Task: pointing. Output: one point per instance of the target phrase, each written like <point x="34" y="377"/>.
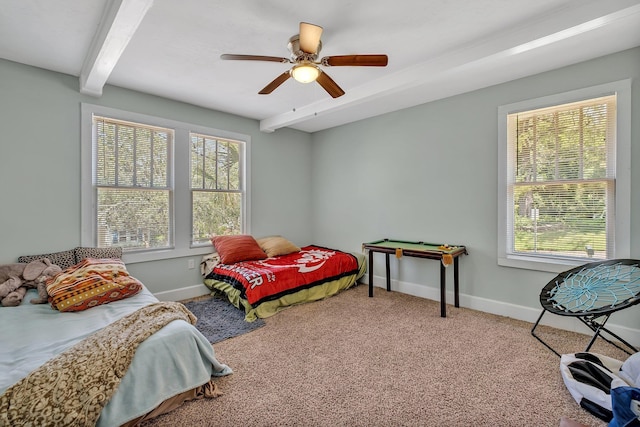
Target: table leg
<point x="388" y="273"/>
<point x="370" y="273"/>
<point x="456" y="282"/>
<point x="443" y="291"/>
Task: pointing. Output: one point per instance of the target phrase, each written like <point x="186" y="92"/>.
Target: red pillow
<point x="238" y="248"/>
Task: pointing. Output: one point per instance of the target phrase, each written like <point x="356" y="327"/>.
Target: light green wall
<point x="40" y="168"/>
<point x="430" y="173"/>
<point x="427" y="172"/>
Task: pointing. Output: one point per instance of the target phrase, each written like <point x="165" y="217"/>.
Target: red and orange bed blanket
<point x="264" y="287"/>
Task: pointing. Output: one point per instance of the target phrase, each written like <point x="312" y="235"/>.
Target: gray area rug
<point x="218" y="320"/>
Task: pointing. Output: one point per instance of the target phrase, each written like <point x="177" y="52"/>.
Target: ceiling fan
<point x="304" y="48"/>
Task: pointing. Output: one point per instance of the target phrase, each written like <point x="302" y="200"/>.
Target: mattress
<point x="312" y="274"/>
<point x="175" y="359"/>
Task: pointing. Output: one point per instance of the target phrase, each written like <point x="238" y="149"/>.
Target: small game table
<point x="446" y="254"/>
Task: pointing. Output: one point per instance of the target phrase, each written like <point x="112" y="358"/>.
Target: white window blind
<point x="160" y="187"/>
<point x="216" y="187"/>
<point x="563" y="179"/>
<point x="133" y="184"/>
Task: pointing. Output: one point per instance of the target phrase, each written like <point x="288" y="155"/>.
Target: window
<point x="216" y="187"/>
<point x="159" y="188"/>
<point x="564" y="185"/>
<point x="133" y="191"/>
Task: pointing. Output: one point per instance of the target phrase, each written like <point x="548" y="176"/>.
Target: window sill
<point x="162" y="254"/>
<point x="551" y="265"/>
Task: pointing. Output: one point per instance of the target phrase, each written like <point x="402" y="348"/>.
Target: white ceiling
<point x="436" y="48"/>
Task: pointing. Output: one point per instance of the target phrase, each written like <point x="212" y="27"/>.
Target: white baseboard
<point x="500" y="308"/>
<point x="180" y="294"/>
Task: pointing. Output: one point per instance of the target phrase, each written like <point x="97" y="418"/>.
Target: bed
<point x="278" y="274"/>
<point x="174" y="364"/>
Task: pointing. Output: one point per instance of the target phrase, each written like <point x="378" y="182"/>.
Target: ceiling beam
<point x="549" y="30"/>
<point x="119" y="23"/>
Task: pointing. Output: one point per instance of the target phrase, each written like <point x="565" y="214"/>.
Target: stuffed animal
<point x="16" y="278"/>
<point x="41" y="281"/>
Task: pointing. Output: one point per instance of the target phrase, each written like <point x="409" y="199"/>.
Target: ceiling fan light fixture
<point x="305" y="72"/>
<point x="304" y="49"/>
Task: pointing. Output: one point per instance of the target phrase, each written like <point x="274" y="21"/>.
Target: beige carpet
<point x="390" y="360"/>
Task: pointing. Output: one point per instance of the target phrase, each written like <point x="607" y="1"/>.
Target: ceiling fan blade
<point x="355" y="60"/>
<point x="275" y="83"/>
<point x="309" y="37"/>
<point x="329" y="85"/>
<point x="254" y="58"/>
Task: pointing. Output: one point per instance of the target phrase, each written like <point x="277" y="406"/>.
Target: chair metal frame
<point x="594" y="318"/>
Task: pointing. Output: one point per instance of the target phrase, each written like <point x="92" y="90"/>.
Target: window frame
<point x="193" y="190"/>
<point x="622" y="220"/>
<point x="180" y="184"/>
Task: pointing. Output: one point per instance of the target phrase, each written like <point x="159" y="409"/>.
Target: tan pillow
<point x="237" y="248"/>
<point x="277" y="245"/>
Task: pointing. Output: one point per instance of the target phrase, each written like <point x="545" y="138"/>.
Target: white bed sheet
<point x="175" y="359"/>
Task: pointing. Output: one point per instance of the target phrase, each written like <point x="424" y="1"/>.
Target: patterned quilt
<point x="272" y="278"/>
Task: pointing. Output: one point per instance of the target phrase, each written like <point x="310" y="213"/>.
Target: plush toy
<point x="49" y="271"/>
<point x="16" y="278"/>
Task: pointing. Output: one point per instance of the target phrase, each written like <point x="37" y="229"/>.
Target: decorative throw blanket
<point x="72" y="388"/>
<point x="271" y="278"/>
